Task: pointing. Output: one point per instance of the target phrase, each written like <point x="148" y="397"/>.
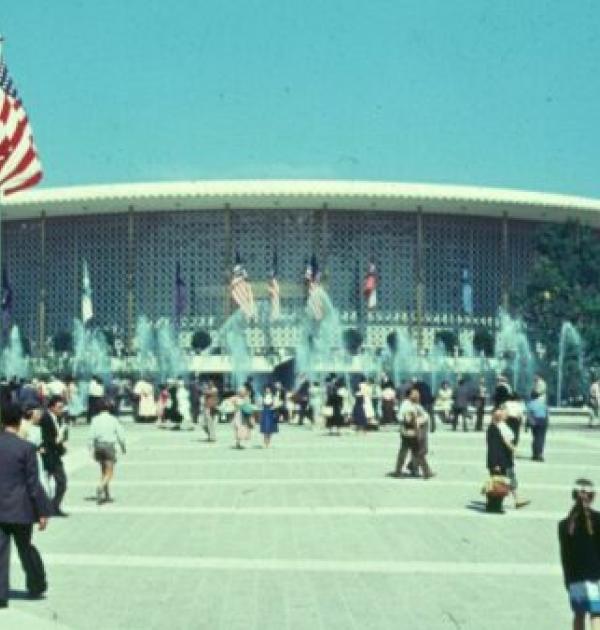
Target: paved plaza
<point x="309" y="534"/>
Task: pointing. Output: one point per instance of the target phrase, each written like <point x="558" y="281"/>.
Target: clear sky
<point x="499" y="93"/>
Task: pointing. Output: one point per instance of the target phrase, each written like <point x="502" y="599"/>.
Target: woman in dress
<point x="443" y="402"/>
<point x="210" y="412"/>
<point x="268" y="417"/>
<point x="242" y="417"/>
<point x="335" y="402"/>
<point x="579" y="538"/>
<point x="359" y="416"/>
<point x="388" y="402"/>
<point x="368" y="403"/>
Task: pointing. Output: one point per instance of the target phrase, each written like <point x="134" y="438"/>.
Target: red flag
<point x="370" y="287"/>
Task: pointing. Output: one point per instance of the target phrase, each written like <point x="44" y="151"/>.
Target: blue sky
<point x="499" y="93"/>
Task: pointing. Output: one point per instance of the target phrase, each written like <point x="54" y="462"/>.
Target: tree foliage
<point x="200" y="340"/>
<point x="564" y="285"/>
<point x="448" y="338"/>
<point x="483" y="341"/>
<point x="352" y="340"/>
<point x="63" y="341"/>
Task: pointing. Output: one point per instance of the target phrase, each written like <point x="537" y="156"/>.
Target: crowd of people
<point x="37" y="416"/>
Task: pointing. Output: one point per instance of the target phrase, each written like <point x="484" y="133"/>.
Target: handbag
<point x="496" y="486"/>
<point x="327" y="411"/>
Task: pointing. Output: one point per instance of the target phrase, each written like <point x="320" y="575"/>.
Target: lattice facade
<point x="205" y="244"/>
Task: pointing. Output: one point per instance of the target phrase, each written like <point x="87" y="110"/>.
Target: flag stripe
<point x="20" y="166"/>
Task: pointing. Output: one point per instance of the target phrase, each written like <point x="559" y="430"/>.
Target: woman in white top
<point x="443" y="402"/>
<point x="146" y="403"/>
<point x="30" y="430"/>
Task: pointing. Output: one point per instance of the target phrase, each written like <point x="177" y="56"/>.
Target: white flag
<point x="87" y="310"/>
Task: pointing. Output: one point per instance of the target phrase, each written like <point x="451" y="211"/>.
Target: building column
<point x="42" y="302"/>
<point x="505" y="266"/>
<point x="130" y="280"/>
<point x="420" y="281"/>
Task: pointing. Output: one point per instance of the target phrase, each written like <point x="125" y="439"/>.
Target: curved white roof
<point x="300" y="194"/>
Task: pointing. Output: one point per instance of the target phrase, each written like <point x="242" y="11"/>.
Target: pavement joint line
<point x="434" y="461"/>
<point x="308" y="565"/>
<point x="129" y="463"/>
<point x="319" y="481"/>
<point x="371" y="511"/>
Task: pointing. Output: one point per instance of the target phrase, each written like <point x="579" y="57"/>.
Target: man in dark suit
<point x="22" y="503"/>
<point x="54" y="437"/>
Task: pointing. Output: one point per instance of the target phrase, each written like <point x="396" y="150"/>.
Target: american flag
<point x="370" y="286"/>
<point x="273" y="289"/>
<point x="20" y="166"/>
<point x="314" y="300"/>
<point x="241" y="290"/>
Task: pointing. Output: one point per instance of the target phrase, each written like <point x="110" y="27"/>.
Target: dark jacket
<point x="52" y="452"/>
<point x="22" y="498"/>
<point x="499" y="455"/>
<point x="580" y="552"/>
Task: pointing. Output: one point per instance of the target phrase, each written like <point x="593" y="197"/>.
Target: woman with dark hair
<point x="268" y="417"/>
<point x="335" y="402"/>
<point x="579" y="537"/>
<point x="388" y="402"/>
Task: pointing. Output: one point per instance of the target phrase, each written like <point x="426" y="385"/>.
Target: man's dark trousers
<point x="539" y="439"/>
<point x="30" y="558"/>
<point x="60" y="484"/>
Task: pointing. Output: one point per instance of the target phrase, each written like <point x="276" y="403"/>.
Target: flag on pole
<point x="370" y="286"/>
<point x="314" y="300"/>
<point x="20" y="166"/>
<point x="467" y="293"/>
<point x="273" y="289"/>
<point x="241" y="290"/>
<point x="180" y="296"/>
<point x="7" y="302"/>
<point x="87" y="309"/>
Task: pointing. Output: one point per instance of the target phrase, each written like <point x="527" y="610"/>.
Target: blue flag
<point x="180" y="296"/>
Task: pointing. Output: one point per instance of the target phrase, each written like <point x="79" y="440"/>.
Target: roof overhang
<point x="300" y="194"/>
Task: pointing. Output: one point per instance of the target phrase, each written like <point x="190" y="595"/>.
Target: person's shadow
<point x="22" y="596"/>
<point x="480" y="506"/>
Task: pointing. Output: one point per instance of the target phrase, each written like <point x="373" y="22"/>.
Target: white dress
<point x="147" y="406"/>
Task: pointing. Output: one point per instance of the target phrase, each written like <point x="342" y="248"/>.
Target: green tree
<point x="200" y="340"/>
<point x="447" y="337"/>
<point x="564" y="285"/>
<point x="483" y="341"/>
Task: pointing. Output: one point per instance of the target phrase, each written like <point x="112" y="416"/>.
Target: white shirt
<point x="96" y="389"/>
<point x="506" y="432"/>
<point x="106" y="428"/>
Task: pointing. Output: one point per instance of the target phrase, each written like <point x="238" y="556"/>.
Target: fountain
<point x="145" y="358"/>
<point x="171" y="360"/>
<point x="91" y="355"/>
<point x="14" y="361"/>
<point x="512" y="348"/>
<point x="437" y="365"/>
<point x="569" y="338"/>
<point x="233" y="337"/>
<point x="404" y="357"/>
<point x="90" y="358"/>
